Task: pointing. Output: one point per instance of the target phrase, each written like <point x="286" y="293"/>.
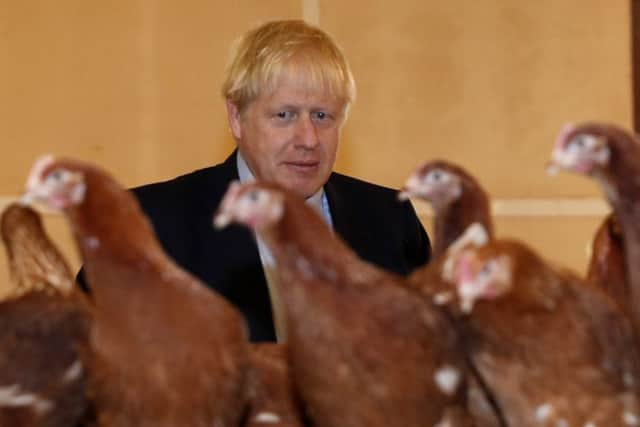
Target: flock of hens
<point x="487" y="334"/>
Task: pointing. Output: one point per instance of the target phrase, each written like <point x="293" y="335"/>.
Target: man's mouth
<point x="302" y="166"/>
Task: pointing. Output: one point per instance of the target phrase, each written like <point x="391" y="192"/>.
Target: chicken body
<point x="607" y="267"/>
<point x="165" y="350"/>
<point x="44" y="329"/>
<point x="553" y="350"/>
<point x="273" y="400"/>
<point x="42" y="374"/>
<point x="364" y="348"/>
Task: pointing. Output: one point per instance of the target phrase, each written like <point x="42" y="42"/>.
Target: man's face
<point x="289" y="136"/>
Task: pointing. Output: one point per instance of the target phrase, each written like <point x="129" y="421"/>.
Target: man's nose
<point x="307" y="133"/>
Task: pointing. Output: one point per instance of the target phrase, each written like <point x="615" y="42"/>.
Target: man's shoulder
<point x="208" y="183"/>
<point x="180" y="209"/>
<point x="186" y="183"/>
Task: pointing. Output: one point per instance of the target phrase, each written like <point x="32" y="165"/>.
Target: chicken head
<point x="256" y="206"/>
<point x="54" y="184"/>
<point x="433" y="183"/>
<point x="481" y="274"/>
<point x="583" y="149"/>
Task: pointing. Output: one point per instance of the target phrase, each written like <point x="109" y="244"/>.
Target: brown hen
<point x="167" y="351"/>
<point x="458" y="200"/>
<point x="365" y="349"/>
<point x="611" y="156"/>
<point x="44" y="328"/>
<point x="553" y="350"/>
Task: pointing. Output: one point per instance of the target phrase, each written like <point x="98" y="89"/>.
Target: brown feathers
<point x="552" y="349"/>
<point x="365" y="349"/>
<point x="34" y="262"/>
<point x="166" y="350"/>
<point x="607" y="267"/>
<point x="272" y="397"/>
<point x="44" y="330"/>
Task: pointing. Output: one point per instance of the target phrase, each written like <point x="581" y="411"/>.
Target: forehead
<point x="300" y="88"/>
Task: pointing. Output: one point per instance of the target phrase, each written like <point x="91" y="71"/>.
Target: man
<point x="288" y="90"/>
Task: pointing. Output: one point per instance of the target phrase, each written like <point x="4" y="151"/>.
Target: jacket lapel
<point x="347" y="227"/>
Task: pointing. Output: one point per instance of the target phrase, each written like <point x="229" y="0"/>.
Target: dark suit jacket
<point x="368" y="217"/>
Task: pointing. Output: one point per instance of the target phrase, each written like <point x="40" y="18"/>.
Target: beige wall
<point x="134" y="86"/>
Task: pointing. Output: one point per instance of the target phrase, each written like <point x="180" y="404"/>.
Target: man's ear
<point x="233" y="115"/>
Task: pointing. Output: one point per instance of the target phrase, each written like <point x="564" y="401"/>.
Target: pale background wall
<point x="134" y="86"/>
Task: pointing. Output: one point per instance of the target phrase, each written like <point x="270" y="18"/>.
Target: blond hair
<point x="263" y="54"/>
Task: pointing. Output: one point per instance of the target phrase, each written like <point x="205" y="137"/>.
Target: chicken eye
<point x="580" y="142"/>
<point x="56" y="176"/>
<point x="486" y="270"/>
<point x="435" y="176"/>
<point x="253" y="195"/>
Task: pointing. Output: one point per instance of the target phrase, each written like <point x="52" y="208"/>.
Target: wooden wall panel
<point x="133" y="85"/>
<point x="488" y="84"/>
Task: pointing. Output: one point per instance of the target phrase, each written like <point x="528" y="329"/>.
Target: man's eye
<point x="323" y="118"/>
<point x="321" y="115"/>
<point x="284" y="115"/>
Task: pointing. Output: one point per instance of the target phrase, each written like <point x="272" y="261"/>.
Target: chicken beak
<point x="554" y="165"/>
<point x="552" y="168"/>
<point x="404" y="194"/>
<point x="410" y="188"/>
<point x="221" y="220"/>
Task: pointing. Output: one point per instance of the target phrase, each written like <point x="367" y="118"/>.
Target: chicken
<point x="166" y="350"/>
<point x="434" y="281"/>
<point x="273" y="401"/>
<point x="458" y="200"/>
<point x="611" y="156"/>
<point x="44" y="328"/>
<point x="553" y="350"/>
<point x="365" y="349"/>
<point x="607" y="267"/>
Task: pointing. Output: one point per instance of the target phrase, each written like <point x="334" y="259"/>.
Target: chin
<point x="303" y="187"/>
<point x="304" y="190"/>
